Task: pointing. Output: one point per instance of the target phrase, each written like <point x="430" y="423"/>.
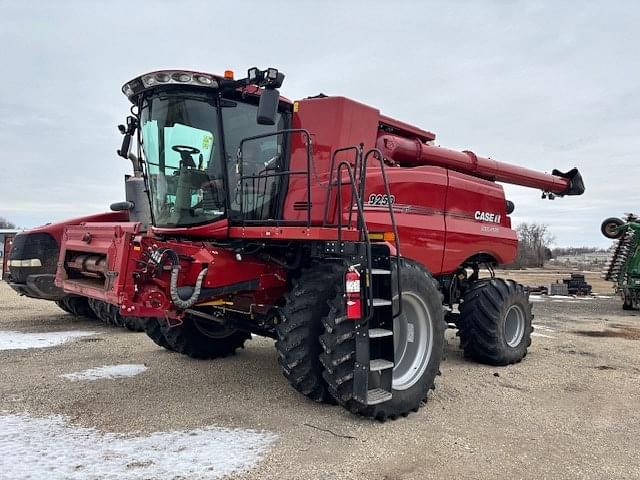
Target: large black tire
<point x="301" y="326"/>
<point x="135" y="324"/>
<point x="101" y="311"/>
<point x="627" y="301"/>
<point x="77" y="306"/>
<point x="420" y="293"/>
<point x="203" y="339"/>
<point x="114" y="313"/>
<point x="62" y="303"/>
<point x="495" y="322"/>
<point x="609" y="228"/>
<point x="153" y="329"/>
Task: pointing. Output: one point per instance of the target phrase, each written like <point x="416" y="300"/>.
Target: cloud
<point x="545" y="85"/>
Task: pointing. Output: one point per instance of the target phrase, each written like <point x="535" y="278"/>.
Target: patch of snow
<point x="51" y="448"/>
<point x="107" y="371"/>
<point x="536" y="334"/>
<point x="543" y="327"/>
<point x="536" y="298"/>
<point x="562" y="296"/>
<point x="11" y="340"/>
<point x="604" y="296"/>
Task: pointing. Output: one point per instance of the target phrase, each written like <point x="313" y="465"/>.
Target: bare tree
<point x="533" y="248"/>
<point x="4" y="223"/>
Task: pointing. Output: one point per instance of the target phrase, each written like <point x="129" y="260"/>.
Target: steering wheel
<point x="185" y="152"/>
<point x="181" y="149"/>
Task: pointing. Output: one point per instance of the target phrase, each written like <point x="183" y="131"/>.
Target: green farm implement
<point x="624" y="264"/>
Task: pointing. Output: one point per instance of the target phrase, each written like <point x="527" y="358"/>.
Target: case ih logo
<point x="487" y="216"/>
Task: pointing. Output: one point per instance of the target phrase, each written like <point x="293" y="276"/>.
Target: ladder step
<point x="381" y="302"/>
<point x="378" y="395"/>
<point x="379" y="364"/>
<point x="379" y="332"/>
<point x="380" y="271"/>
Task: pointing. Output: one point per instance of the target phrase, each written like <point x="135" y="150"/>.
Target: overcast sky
<point x="541" y="84"/>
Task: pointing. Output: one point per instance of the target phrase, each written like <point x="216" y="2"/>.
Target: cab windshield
<point x="189" y="169"/>
<point x="184" y="160"/>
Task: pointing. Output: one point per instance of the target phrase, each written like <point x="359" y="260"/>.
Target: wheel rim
<point x="611" y="228"/>
<point x="514" y="325"/>
<point x="212" y="330"/>
<point x="412" y="341"/>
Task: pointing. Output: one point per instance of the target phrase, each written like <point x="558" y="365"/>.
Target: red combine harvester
<point x="342" y="233"/>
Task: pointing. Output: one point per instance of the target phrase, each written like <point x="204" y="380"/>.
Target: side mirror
<point x="128" y="131"/>
<point x="268" y="107"/>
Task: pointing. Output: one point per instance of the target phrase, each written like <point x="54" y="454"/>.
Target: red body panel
<point x="419" y="213"/>
<point x="123" y="248"/>
<point x="56" y="229"/>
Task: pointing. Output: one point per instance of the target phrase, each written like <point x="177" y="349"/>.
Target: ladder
<point x="374" y="345"/>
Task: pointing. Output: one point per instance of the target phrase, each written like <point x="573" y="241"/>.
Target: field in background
<point x="534" y="277"/>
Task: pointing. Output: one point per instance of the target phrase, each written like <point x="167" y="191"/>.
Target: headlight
<point x="31" y="262"/>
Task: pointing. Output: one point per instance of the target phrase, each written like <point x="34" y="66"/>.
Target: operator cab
<point x="190" y="128"/>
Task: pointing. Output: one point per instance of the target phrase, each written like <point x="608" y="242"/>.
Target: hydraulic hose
<point x="173" y="288"/>
<point x="158" y="257"/>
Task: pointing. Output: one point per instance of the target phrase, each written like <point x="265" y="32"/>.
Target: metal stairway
<point x="374" y="337"/>
<point x="374" y="345"/>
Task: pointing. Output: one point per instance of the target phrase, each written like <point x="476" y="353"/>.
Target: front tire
<point x="301" y="326"/>
<point x="77" y="306"/>
<point x="495" y="322"/>
<point x="62" y="303"/>
<point x="203" y="339"/>
<point x="418" y="347"/>
<point x="153" y="329"/>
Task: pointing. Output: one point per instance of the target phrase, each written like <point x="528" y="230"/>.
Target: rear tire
<point x="204" y="339"/>
<point x="495" y="322"/>
<point x="416" y="362"/>
<point x="301" y="326"/>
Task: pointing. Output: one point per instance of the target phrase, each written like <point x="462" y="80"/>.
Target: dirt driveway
<point x="571" y="409"/>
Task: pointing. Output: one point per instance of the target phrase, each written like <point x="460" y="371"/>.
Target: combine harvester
<point x="32" y="261"/>
<point x="344" y="234"/>
<point x="623" y="267"/>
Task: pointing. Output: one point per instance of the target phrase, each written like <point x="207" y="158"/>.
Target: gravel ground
<point x="571" y="409"/>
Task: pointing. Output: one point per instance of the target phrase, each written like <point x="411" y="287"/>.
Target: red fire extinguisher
<point x="352" y="293"/>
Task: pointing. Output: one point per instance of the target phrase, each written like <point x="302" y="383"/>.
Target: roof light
<point x="148" y="80"/>
<point x="272" y="73"/>
<point x="203" y="79"/>
<point x="181" y="77"/>
<point x="252" y="74"/>
<point x="228" y="74"/>
<point x="163" y="77"/>
<point x="167" y="77"/>
<point x="127" y="90"/>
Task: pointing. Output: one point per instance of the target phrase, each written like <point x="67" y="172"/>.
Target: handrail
<point x="364" y="231"/>
<point x="377" y="154"/>
<point x="358" y="155"/>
